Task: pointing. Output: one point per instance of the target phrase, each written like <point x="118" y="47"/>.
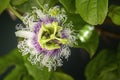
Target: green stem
<point x="41" y="5"/>
<point x="15" y="12"/>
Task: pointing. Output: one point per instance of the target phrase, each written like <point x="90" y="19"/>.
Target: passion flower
<point x="46" y="37"/>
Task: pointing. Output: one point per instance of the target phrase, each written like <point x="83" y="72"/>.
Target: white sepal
<point x="24" y="34"/>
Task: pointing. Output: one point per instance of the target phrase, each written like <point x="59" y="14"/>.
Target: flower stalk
<point x="15" y="12"/>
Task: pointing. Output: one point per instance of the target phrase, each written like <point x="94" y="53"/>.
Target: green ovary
<point x="49" y="36"/>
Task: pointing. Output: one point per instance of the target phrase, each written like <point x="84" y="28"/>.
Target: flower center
<point x="49" y="36"/>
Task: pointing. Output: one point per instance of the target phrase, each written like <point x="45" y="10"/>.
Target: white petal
<point x="29" y="43"/>
<point x="24" y="34"/>
<point x="31" y="24"/>
<point x="40" y="14"/>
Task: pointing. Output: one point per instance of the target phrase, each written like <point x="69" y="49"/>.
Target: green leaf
<point x="103" y="67"/>
<point x="88" y="39"/>
<point x="114" y="14"/>
<point x="17" y="2"/>
<point x="118" y="58"/>
<point x="44" y="74"/>
<point x="16" y="74"/>
<point x="27" y="6"/>
<point x="13" y="59"/>
<point x="28" y="77"/>
<point x="24" y="70"/>
<point x="77" y="21"/>
<point x="85" y="33"/>
<point x="10" y="59"/>
<point x="3" y="5"/>
<point x="92" y="11"/>
<point x="67" y="4"/>
<point x="60" y="76"/>
<point x="37" y="73"/>
<point x="50" y="3"/>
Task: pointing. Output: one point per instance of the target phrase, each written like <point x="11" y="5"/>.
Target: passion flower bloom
<point x="46" y="37"/>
